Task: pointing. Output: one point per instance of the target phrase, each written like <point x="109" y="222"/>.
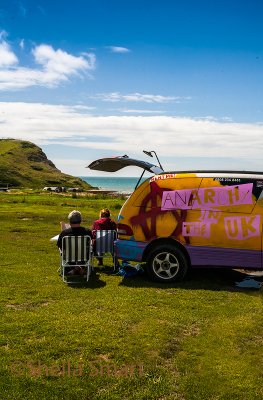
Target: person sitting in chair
<point x="103" y="223"/>
<point x="75" y="229"/>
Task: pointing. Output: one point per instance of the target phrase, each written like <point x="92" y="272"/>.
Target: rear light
<point x="123" y="229"/>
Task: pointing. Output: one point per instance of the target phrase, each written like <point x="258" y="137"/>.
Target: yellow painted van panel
<point x="196" y="211"/>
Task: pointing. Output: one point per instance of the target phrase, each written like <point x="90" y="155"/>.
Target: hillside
<point x="23" y="164"/>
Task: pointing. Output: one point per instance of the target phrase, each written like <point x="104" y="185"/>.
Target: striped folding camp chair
<point x="76" y="254"/>
<point x="105" y="245"/>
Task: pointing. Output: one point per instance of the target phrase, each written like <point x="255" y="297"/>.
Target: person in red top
<point x="103" y="223"/>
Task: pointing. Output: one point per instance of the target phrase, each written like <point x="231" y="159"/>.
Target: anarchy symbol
<point x="149" y="213"/>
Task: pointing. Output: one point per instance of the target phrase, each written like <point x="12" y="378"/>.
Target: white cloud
<point x="7" y="57"/>
<point x="58" y="61"/>
<point x="139" y="97"/>
<point x="22" y="9"/>
<point x="3" y="34"/>
<point x="57" y="66"/>
<point x="22" y="44"/>
<point x="134" y="111"/>
<point x="117" y="49"/>
<point x="169" y="136"/>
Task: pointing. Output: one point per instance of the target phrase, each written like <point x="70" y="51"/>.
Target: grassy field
<point x="117" y="338"/>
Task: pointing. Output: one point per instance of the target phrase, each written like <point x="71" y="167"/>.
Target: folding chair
<point x="104" y="245"/>
<point x="76" y="252"/>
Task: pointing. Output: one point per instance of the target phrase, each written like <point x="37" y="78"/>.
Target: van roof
<point x="219" y="173"/>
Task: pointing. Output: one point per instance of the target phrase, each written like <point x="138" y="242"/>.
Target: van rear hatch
<point x="113" y="164"/>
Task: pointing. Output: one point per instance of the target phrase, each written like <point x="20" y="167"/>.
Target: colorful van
<point x="174" y="220"/>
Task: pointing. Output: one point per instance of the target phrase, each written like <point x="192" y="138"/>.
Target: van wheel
<point x="166" y="263"/>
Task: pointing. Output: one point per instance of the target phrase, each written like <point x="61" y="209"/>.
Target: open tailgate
<point x="113" y="164"/>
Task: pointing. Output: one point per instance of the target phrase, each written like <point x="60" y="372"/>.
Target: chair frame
<point x="76" y="252"/>
<point x="105" y="243"/>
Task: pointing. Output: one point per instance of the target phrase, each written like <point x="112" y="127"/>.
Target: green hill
<point x="23" y="164"/>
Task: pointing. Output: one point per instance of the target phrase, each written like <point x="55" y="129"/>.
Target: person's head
<point x="74" y="217"/>
<point x="105" y="213"/>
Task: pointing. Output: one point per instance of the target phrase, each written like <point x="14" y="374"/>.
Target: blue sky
<point x="88" y="79"/>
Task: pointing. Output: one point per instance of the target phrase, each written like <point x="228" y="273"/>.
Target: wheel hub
<point x="165" y="265"/>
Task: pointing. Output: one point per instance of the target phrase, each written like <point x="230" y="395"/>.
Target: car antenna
<point x="149" y="153"/>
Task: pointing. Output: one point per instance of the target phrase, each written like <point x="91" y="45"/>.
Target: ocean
<point x="117" y="183"/>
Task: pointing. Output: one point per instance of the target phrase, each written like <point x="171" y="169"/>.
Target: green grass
<point x="198" y="339"/>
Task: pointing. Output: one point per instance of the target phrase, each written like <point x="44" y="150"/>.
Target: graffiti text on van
<point x="198" y="229"/>
<point x="236" y="228"/>
<point x="161" y="177"/>
<point x="243" y="227"/>
<point x="207" y="197"/>
<point x="209" y="216"/>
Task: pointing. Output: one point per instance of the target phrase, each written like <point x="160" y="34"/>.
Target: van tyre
<point x="166" y="263"/>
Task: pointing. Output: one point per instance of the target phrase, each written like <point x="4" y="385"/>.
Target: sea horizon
<point x="122" y="184"/>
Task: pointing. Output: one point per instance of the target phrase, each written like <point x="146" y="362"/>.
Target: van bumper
<point x="129" y="250"/>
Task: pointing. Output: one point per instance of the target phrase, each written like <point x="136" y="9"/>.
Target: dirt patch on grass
<point x="192" y="330"/>
<point x="104" y="357"/>
<point x="27" y="306"/>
